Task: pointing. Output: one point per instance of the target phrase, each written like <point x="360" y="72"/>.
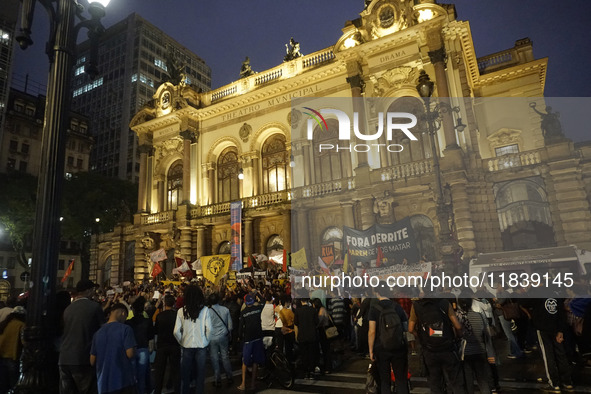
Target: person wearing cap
<point x="251" y="333"/>
<point x="10" y="347"/>
<point x="82" y="319"/>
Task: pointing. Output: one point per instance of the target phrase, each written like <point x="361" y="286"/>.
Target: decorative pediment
<point x="504" y="137"/>
<point x="395" y="79"/>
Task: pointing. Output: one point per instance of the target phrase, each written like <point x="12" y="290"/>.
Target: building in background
<point x="511" y="181"/>
<point x="8" y="18"/>
<point x="20" y="152"/>
<point x="20" y="147"/>
<point x="134" y="57"/>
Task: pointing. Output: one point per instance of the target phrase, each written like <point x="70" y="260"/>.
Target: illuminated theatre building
<point x="509" y="187"/>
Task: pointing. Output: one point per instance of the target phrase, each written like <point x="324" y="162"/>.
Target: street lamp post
<point x="448" y="245"/>
<point x="37" y="374"/>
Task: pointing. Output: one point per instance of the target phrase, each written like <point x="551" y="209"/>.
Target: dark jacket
<point x="306" y="318"/>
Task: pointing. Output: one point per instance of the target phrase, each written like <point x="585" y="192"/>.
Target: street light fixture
<point x="241" y="174"/>
<point x="41" y="320"/>
<point x="448" y="245"/>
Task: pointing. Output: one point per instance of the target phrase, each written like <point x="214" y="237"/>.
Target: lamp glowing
<point x="241" y="174"/>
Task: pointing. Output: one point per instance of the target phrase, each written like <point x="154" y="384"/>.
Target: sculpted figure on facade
<point x="551" y="127"/>
<point x="246" y="70"/>
<point x="292" y="49"/>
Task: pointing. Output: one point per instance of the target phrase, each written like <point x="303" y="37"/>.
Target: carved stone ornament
<point x="245" y="132"/>
<point x="395" y="78"/>
<point x="166" y="149"/>
<point x="294" y="117"/>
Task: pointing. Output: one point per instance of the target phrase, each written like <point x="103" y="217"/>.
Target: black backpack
<point x="390" y="329"/>
<point x="434" y="326"/>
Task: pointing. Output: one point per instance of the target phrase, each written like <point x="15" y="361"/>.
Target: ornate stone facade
<point x="237" y="129"/>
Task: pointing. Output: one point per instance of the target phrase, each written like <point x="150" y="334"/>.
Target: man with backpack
<point x="387" y="343"/>
<point x="433" y="320"/>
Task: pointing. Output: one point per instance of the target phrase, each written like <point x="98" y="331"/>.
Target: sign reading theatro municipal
<point x="396" y="146"/>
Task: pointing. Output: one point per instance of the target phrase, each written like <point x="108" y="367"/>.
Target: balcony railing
<point x="407" y="170"/>
<point x="248" y="202"/>
<point x="282" y="71"/>
<point x="155" y="218"/>
<point x="322" y="189"/>
<point x="516" y="160"/>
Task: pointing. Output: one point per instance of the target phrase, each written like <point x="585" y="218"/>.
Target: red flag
<point x="68" y="271"/>
<point x="284" y="260"/>
<point x="183" y="267"/>
<point x="156" y="270"/>
<point x="249" y="261"/>
<point x="380" y="256"/>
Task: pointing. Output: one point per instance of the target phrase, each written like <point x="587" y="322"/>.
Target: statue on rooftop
<point x="246" y="70"/>
<point x="292" y="49"/>
<point x="551" y="127"/>
<point x="175" y="69"/>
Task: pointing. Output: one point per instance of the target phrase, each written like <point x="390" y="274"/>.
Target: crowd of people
<point x="143" y="338"/>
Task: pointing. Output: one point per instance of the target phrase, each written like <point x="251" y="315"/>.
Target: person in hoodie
<point x="548" y="318"/>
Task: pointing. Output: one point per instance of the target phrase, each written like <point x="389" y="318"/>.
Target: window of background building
<point x="13" y="147"/>
<point x="70" y="161"/>
<point x="2" y="262"/>
<point x="79" y="163"/>
<point x="25" y="149"/>
<point x="61" y="265"/>
<point x="175" y="184"/>
<point x="274" y="163"/>
<point x="11" y="263"/>
<point x="228" y="168"/>
<point x="10" y="164"/>
<point x="22" y="166"/>
<point x="507" y="150"/>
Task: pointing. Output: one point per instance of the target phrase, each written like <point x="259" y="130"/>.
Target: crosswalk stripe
<point x="330" y="383"/>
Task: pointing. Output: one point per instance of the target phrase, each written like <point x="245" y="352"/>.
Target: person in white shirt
<point x="192" y="330"/>
<point x="268" y="317"/>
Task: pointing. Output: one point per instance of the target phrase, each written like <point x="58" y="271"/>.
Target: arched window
<point x="333" y="236"/>
<point x="413" y="150"/>
<point x="274" y="164"/>
<point x="524" y="214"/>
<point x="175" y="184"/>
<point x="422" y="227"/>
<point x="228" y="168"/>
<point x="328" y="163"/>
<point x="224" y="248"/>
<point x="274" y="245"/>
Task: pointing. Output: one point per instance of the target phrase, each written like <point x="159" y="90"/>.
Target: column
<point x="212" y="182"/>
<point x="161" y="194"/>
<point x="357" y="84"/>
<point x="286" y="222"/>
<point x="438" y="58"/>
<point x="201" y="241"/>
<point x="368" y="217"/>
<point x="188" y="138"/>
<point x="348" y="217"/>
<point x="308" y="165"/>
<point x="256" y="174"/>
<point x="248" y="236"/>
<point x="140" y="269"/>
<point x="205" y="186"/>
<point x="303" y="239"/>
<point x="143" y="181"/>
<point x="186" y="234"/>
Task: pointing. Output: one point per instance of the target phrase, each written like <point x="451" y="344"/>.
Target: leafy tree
<point x="17" y="212"/>
<point x="86" y="196"/>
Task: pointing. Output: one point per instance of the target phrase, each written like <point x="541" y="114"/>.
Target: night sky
<point x="224" y="32"/>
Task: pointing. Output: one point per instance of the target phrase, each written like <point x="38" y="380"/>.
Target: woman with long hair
<point x="192" y="330"/>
